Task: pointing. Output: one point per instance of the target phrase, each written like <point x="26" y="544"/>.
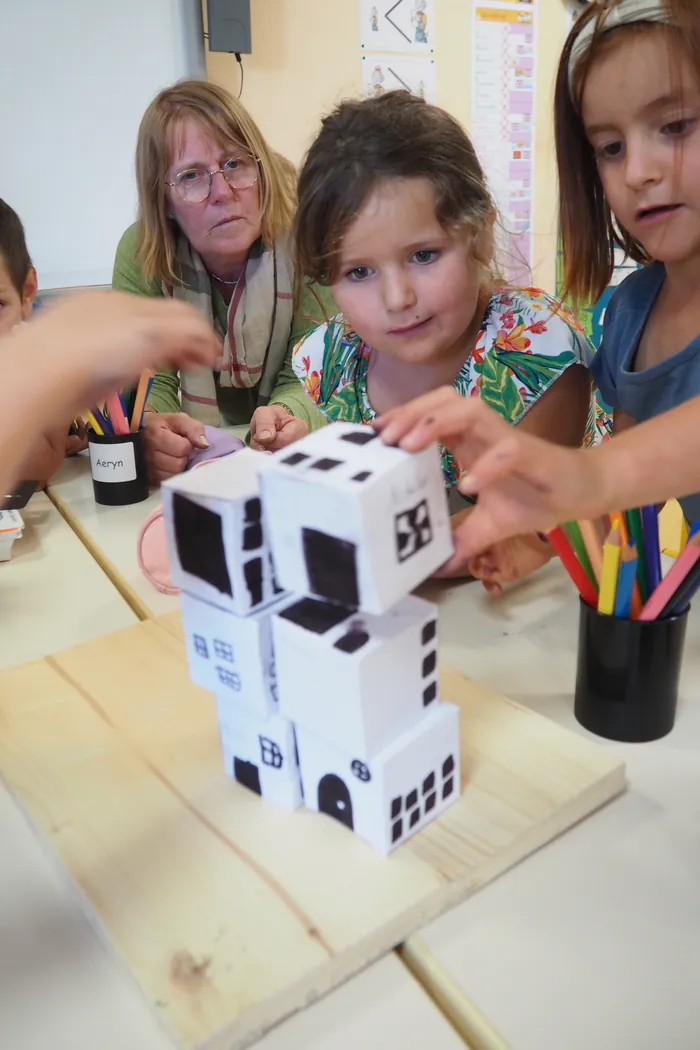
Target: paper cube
<point x="218" y="550"/>
<point x="389" y="798"/>
<point x="352" y="520"/>
<point x="355" y="679"/>
<point x="261" y="754"/>
<point x="232" y="655"/>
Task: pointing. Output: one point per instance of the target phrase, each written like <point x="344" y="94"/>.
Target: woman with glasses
<point x="215" y="204"/>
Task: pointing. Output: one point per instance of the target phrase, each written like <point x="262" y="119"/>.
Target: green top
<point x="236" y="405"/>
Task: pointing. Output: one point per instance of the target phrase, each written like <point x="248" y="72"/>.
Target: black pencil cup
<point x="627" y="675"/>
<point x="118" y="468"/>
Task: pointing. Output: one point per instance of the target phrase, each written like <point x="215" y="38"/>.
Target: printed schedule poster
<point x="503" y="119"/>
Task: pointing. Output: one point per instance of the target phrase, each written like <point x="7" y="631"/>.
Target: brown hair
<point x="13" y="247"/>
<point x="226" y="120"/>
<point x="589" y="234"/>
<point x="362" y="143"/>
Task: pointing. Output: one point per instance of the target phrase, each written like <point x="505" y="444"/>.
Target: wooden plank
<point x="230" y="913"/>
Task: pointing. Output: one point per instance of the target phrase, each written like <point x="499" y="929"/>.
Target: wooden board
<point x="230" y="913"/>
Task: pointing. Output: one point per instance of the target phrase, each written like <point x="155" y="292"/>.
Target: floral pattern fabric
<point x="526" y="341"/>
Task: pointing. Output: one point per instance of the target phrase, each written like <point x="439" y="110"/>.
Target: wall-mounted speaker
<point x="229" y="26"/>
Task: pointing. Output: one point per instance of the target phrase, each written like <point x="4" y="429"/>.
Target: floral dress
<point x="526" y="341"/>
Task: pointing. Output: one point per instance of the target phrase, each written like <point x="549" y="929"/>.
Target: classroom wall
<point x="303" y="63"/>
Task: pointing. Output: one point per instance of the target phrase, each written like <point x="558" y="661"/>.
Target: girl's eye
<point x="678" y="127"/>
<point x="425" y="255"/>
<point x="360" y="273"/>
<point x="609" y="151"/>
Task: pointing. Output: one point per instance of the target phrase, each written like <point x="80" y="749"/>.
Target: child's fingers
<point x="395" y="424"/>
<point x="495" y="463"/>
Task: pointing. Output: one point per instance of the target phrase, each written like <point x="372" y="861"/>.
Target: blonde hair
<point x="227" y="121"/>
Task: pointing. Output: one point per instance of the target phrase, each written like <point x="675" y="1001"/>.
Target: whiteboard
<point x="75" y="79"/>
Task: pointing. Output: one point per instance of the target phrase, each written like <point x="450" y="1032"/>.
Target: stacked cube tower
<point x="296" y="571"/>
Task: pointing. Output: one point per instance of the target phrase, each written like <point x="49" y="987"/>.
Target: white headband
<point x="624" y="13"/>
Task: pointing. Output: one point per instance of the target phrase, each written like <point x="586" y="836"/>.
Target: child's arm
<point x="559" y="415"/>
<point x="525" y="483"/>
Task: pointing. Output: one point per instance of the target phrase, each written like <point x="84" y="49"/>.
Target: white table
<point x="52" y="592"/>
<point x="595" y="941"/>
<point x="110" y="533"/>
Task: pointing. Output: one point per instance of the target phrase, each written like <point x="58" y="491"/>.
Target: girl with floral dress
<point x="394" y="215"/>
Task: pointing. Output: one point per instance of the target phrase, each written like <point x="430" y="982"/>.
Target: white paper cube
<point x="232" y="655"/>
<point x="389" y="798"/>
<point x="261" y="754"/>
<point x="218" y="551"/>
<point x="357" y="680"/>
<point x="352" y="520"/>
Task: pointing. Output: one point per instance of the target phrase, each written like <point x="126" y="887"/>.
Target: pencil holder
<point x="627" y="675"/>
<point x="118" y="468"/>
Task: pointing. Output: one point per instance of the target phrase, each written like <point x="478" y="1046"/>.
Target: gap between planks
<point x="137" y="606"/>
<point x="465" y="1017"/>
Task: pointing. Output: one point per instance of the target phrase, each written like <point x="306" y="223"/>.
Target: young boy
<point x="18" y="288"/>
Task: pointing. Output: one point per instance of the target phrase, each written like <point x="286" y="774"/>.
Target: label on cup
<point x="112" y="463"/>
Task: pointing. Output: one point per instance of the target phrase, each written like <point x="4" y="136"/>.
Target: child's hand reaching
<point x="508" y="561"/>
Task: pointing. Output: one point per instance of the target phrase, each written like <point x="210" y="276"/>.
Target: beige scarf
<point x="258" y="326"/>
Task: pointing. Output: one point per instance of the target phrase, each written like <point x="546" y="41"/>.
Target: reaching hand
<point x="524" y="484"/>
<point x="92" y="343"/>
<point x="273" y="427"/>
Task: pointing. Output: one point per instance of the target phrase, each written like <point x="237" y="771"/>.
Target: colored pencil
<point x="93" y="423"/>
<point x="116" y="415"/>
<point x="619" y="517"/>
<point x="573" y="566"/>
<point x="626" y="581"/>
<point x="576" y="540"/>
<point x="665" y="593"/>
<point x="685" y="593"/>
<point x="593" y="546"/>
<point x="102" y="421"/>
<point x="140" y="401"/>
<point x="636" y="535"/>
<point x="652" y="551"/>
<point x="612" y="553"/>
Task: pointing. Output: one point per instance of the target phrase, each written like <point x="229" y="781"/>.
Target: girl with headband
<point x="627" y="115"/>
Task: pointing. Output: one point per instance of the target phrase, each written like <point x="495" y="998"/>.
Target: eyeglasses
<point x="194" y="184"/>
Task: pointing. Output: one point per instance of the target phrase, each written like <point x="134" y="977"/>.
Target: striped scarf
<point x="258" y="325"/>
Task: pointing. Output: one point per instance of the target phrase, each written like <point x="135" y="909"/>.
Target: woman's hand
<point x="273" y="427"/>
<point x="170" y="438"/>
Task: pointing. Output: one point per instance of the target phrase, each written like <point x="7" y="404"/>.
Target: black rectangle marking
<point x="429" y="693"/>
<point x="326" y="464"/>
<point x="352" y="641"/>
<point x="359" y="437"/>
<point x="429" y="631"/>
<point x="314" y="615"/>
<point x="429" y="663"/>
<point x="296" y="457"/>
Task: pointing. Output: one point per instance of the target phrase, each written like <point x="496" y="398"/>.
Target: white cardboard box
<point x="261" y="754"/>
<point x="232" y="655"/>
<point x="389" y="798"/>
<point x="359" y="681"/>
<point x="216" y="540"/>
<point x="352" y="520"/>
